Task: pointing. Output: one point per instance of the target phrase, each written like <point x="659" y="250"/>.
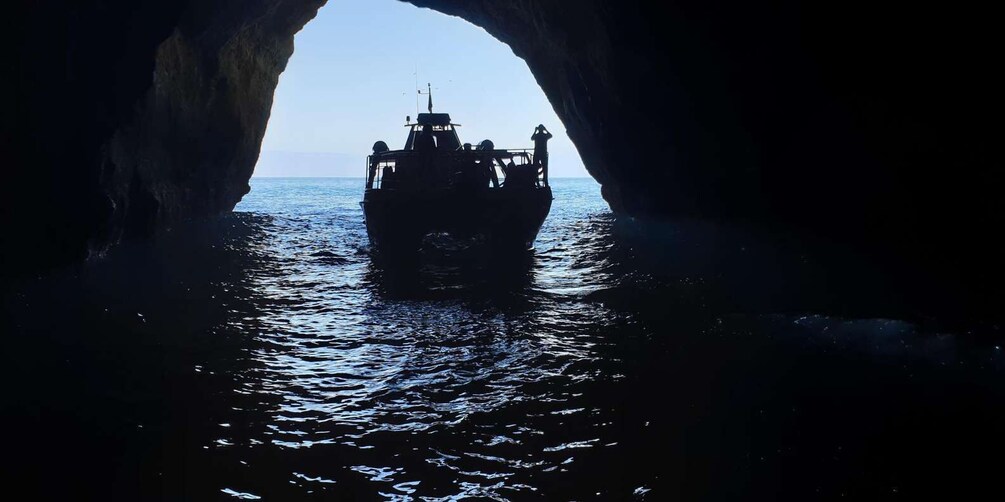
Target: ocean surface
<point x="269" y="354"/>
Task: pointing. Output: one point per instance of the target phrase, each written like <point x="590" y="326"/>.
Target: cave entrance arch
<point x="352" y="80"/>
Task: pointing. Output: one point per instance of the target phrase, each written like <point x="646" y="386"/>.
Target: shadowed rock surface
<point x="135" y="115"/>
<point x="874" y="127"/>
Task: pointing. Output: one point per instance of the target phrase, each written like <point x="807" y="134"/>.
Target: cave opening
<point x="353" y="80"/>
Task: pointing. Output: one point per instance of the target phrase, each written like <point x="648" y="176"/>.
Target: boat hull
<point x="397" y="220"/>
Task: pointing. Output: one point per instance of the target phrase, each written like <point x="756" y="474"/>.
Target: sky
<point x="352" y="80"/>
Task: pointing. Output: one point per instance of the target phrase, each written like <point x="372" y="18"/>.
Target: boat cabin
<point x="444" y="132"/>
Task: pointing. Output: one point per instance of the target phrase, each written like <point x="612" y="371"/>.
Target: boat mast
<point x="429" y="92"/>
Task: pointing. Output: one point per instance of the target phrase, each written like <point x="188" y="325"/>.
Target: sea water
<point x="269" y="354"/>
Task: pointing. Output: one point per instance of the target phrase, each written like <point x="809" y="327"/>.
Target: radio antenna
<point x="429" y="92"/>
<point x="417" y="91"/>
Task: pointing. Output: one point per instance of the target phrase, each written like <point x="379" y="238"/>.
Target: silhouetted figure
<point x="488" y="147"/>
<point x="424" y="141"/>
<point x="471" y="177"/>
<point x="425" y="144"/>
<point x="519" y="176"/>
<point x="540" y="139"/>
<point x="509" y="170"/>
<point x="468" y="174"/>
<point x="378" y="148"/>
<point x="488" y="171"/>
<point x="389" y="179"/>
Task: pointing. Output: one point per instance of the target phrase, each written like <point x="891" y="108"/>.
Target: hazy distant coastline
<point x="283" y="164"/>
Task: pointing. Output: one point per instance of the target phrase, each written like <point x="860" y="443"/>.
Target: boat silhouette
<point x="435" y="184"/>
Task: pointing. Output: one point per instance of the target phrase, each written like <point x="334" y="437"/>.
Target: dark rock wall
<point x="129" y="116"/>
<point x="76" y="71"/>
<point x="193" y="141"/>
<point x="873" y="126"/>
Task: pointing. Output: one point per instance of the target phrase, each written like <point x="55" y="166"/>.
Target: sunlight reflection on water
<point x="268" y="354"/>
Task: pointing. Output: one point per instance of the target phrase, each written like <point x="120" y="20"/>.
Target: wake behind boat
<point x="436" y="184"/>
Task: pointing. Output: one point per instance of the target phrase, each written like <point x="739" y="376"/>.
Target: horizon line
<point x="364" y="177"/>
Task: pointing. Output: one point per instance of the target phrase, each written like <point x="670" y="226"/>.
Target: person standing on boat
<point x="371" y="176"/>
<point x="424" y="141"/>
<point x="540" y="139"/>
<point x="425" y="144"/>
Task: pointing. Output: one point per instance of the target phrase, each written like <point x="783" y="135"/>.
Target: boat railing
<point x="402" y="168"/>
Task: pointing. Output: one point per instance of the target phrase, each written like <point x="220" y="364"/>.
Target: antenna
<point x="429" y="92"/>
<point x="417" y="92"/>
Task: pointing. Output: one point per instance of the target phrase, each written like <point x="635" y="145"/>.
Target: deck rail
<point x="403" y="168"/>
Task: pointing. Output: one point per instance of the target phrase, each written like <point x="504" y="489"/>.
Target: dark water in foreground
<point x="267" y="355"/>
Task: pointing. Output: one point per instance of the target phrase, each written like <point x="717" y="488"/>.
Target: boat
<point x="437" y="185"/>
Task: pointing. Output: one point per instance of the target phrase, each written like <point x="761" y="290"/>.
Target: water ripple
<point x="268" y="355"/>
